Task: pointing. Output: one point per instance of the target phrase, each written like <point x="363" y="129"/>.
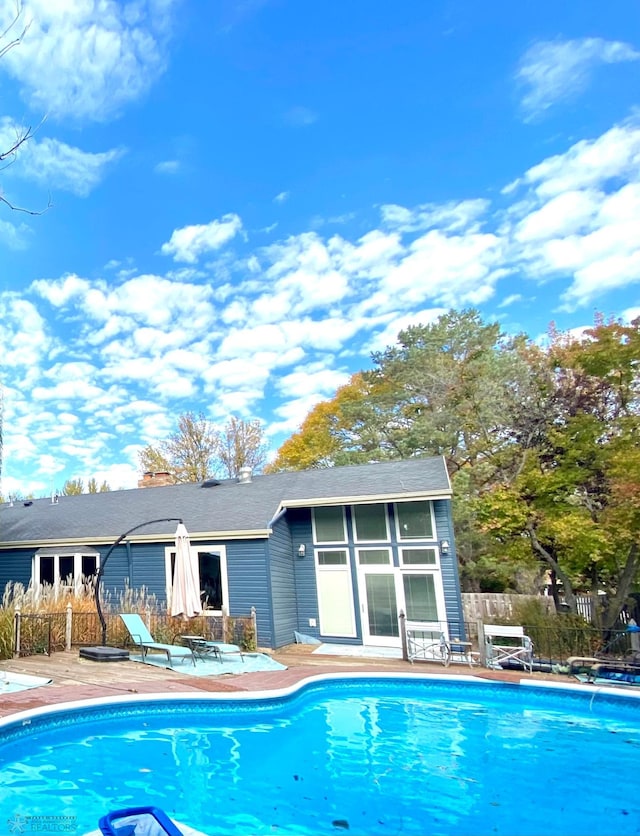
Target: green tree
<point x="575" y="499"/>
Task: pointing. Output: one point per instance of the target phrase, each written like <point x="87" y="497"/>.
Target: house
<point x="335" y="554"/>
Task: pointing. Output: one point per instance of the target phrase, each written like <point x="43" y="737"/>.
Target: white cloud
<point x="168" y="167"/>
<point x="190" y="242"/>
<point x="388" y="336"/>
<point x="14" y="236"/>
<point x="551" y="71"/>
<point x="312" y="381"/>
<point x="452" y="270"/>
<point x="450" y="217"/>
<point x="282" y="197"/>
<point x="565" y="214"/>
<point x="87" y="59"/>
<point x="588" y="163"/>
<point x="580" y="216"/>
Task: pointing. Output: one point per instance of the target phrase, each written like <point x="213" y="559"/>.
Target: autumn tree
<point x="576" y="498"/>
<point x="93" y="487"/>
<point x="329" y="434"/>
<point x="541" y="446"/>
<point x="198" y="450"/>
<point x="187" y="454"/>
<point x="73" y="487"/>
<point x="241" y="444"/>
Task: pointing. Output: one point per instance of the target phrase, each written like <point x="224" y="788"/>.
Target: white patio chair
<point x="519" y="650"/>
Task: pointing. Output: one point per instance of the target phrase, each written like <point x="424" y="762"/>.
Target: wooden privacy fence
<point x="484" y="606"/>
<point x="50" y="632"/>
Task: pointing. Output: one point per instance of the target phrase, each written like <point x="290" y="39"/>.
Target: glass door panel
<point x="380" y="609"/>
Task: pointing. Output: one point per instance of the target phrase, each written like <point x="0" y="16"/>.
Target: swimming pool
<point x="363" y="755"/>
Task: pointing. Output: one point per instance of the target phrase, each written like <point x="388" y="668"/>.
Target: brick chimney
<point x="156" y="480"/>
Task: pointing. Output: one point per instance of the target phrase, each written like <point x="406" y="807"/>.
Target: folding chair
<point x="519" y="650"/>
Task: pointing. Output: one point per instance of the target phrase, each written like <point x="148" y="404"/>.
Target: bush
<point x="556" y="635"/>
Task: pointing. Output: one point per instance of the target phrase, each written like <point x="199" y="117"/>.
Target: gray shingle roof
<point x="225" y="510"/>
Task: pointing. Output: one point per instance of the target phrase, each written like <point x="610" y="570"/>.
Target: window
<point x="418" y="557"/>
<point x="414" y="521"/>
<point x="420" y="597"/>
<point x="332" y="558"/>
<point x="328" y="525"/>
<point x="212" y="578"/>
<point x="370" y="522"/>
<point x="373" y="557"/>
<point x="70" y="569"/>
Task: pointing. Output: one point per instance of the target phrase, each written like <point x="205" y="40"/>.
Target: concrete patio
<point x="74" y="678"/>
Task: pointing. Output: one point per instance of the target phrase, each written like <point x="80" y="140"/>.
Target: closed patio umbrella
<point x="185" y="591"/>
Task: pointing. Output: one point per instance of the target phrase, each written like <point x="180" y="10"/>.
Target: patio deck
<point x="74" y="678"/>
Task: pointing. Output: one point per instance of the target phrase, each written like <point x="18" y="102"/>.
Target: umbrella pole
<point x="103" y="563"/>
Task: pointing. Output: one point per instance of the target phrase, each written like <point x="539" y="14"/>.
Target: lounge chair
<point x="203" y="648"/>
<point x="519" y="649"/>
<point x="144" y="640"/>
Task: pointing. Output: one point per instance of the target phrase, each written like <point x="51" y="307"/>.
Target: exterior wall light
<point x="302" y="550"/>
<point x="444" y="546"/>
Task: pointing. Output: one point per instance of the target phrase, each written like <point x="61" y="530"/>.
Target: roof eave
<point x="200" y="536"/>
<point x="405" y="496"/>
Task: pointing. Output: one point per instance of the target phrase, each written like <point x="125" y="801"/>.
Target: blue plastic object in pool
<point x="138" y="821"/>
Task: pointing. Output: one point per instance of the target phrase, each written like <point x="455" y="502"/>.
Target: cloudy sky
<point x="244" y="198"/>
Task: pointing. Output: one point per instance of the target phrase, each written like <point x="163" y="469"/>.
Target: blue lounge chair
<point x="141" y="636"/>
<point x="203" y="648"/>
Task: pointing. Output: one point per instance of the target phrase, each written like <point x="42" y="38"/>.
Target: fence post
<point x="482" y="649"/>
<point x="67" y="632"/>
<point x="16" y="636"/>
<point x="254" y="625"/>
<point x="403" y="635"/>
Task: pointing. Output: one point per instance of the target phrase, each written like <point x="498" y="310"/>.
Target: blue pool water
<point x="360" y="757"/>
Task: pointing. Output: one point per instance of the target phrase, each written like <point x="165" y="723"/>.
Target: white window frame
<point x="329" y="542"/>
<point x="385" y="509"/>
<point x="373" y="566"/>
<point x="77" y="567"/>
<point x="195" y="551"/>
<point x="438" y="588"/>
<point x="430" y="567"/>
<point x="432" y="539"/>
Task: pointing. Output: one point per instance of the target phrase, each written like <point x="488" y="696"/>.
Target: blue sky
<point x="250" y="196"/>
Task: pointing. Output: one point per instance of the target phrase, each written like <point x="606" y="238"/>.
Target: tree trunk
<point x="539" y="549"/>
<point x="616" y="602"/>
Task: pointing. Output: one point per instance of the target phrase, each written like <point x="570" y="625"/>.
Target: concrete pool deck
<point x="74" y="678"/>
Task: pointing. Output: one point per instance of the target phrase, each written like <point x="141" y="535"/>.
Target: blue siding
<point x="249" y="585"/>
<point x="449" y="566"/>
<point x="304" y="571"/>
<point x="15" y="567"/>
<point x="301" y="532"/>
<point x="283" y="584"/>
<point x="267" y="575"/>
